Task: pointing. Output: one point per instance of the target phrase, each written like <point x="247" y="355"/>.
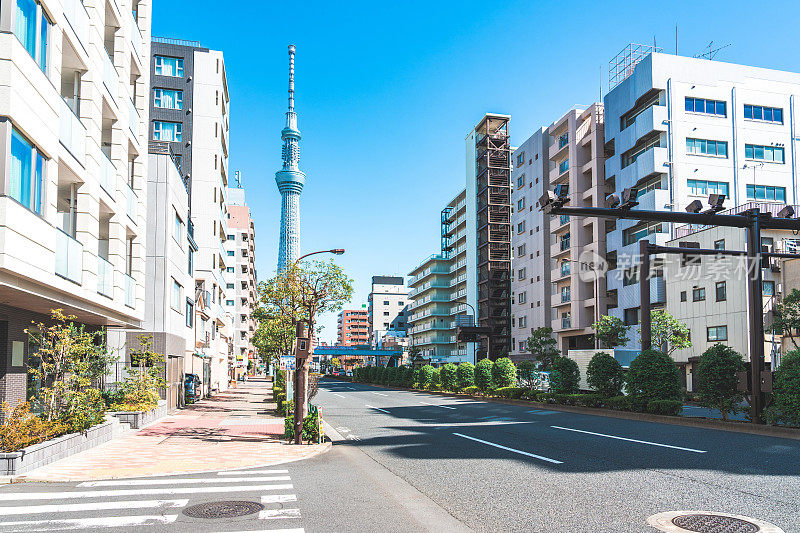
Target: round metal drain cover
<point x="223" y="509"/>
<point x="712" y="523"/>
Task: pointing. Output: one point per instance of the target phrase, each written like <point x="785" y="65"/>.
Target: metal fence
<point x="117" y="372"/>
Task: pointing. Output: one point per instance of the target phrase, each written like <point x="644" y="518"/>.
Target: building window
<point x="698" y="294"/>
<point x="563" y="166"/>
<point x="522" y="297"/>
<point x="521" y="274"/>
<point x="768" y="114"/>
<point x="769" y="154"/>
<point x="706" y="147"/>
<point x="717" y="333"/>
<point x="177" y="231"/>
<point x="722" y="291"/>
<point x="168" y="98"/>
<point x="768" y="288"/>
<point x="27" y="172"/>
<point x="708" y="107"/>
<point x="167" y="131"/>
<point x="520" y="204"/>
<point x="653" y="184"/>
<point x="190" y="268"/>
<point x="229" y="270"/>
<point x="630" y="157"/>
<point x="230" y="253"/>
<point x="705" y="187"/>
<point x="640" y="231"/>
<point x="229" y="302"/>
<point x="631" y="317"/>
<point x="719" y="245"/>
<point x="169" y="66"/>
<point x="523" y="321"/>
<point x="230" y="237"/>
<point x="177" y="295"/>
<point x="683" y="296"/>
<point x="521" y="181"/>
<point x="189" y="313"/>
<point x="521" y="227"/>
<point x="630" y="276"/>
<point x="32" y="28"/>
<point x="766" y="192"/>
<point x="563" y="139"/>
<point x="520" y="159"/>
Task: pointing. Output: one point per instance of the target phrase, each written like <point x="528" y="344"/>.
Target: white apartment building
<point x="73" y="169"/>
<point x="680" y="128"/>
<point x="190" y="110"/>
<point x="388" y="307"/>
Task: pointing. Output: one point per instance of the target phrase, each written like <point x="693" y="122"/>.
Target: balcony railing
<point x="566" y="268"/>
<point x="136" y="36"/>
<point x="566" y="322"/>
<point x="563" y="219"/>
<point x="133" y="118"/>
<point x="78" y="18"/>
<point x="131" y="201"/>
<point x="105" y="277"/>
<point x="69" y="257"/>
<point x="108" y="174"/>
<point x="564" y="244"/>
<point x="72" y="132"/>
<point x="110" y="79"/>
<point x="130" y="291"/>
<point x="566" y="295"/>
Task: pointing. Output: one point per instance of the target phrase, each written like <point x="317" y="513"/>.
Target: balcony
<point x="110" y="79"/>
<point x="69" y="257"/>
<point x="566" y="322"/>
<point x="105" y="277"/>
<point x="131" y="200"/>
<point x="649" y="162"/>
<point x="108" y="174"/>
<point x="566" y="295"/>
<point x="133" y="119"/>
<point x="136" y="36"/>
<point x="130" y="291"/>
<point x="78" y="19"/>
<point x="72" y="133"/>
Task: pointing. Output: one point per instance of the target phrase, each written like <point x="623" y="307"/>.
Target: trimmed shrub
<point x="716" y="377"/>
<point x="372" y="376"/>
<point x="408" y="377"/>
<point x="472" y="389"/>
<point x="526" y="372"/>
<point x="436" y="379"/>
<point x="381" y="375"/>
<point x="653" y="376"/>
<point x="564" y="376"/>
<point x="465" y="375"/>
<point x="532" y="395"/>
<point x="448" y="376"/>
<point x="504" y="373"/>
<point x="605" y="374"/>
<point x="483" y="374"/>
<point x="785" y="407"/>
<point x="416" y="375"/>
<point x="512" y="393"/>
<point x="425" y="376"/>
<point x="665" y="407"/>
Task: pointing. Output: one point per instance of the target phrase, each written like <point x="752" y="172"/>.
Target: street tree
<point x="716" y="376"/>
<point x="274" y="335"/>
<point x="611" y="331"/>
<point x="786" y="316"/>
<point x="543" y="346"/>
<point x="667" y="332"/>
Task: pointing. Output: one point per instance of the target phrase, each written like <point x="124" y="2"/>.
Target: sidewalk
<point x="234" y="429"/>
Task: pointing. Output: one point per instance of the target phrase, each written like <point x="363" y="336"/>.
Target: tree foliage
<point x="611" y="331"/>
<point x="526" y="372"/>
<point x="716" y="376"/>
<point x="654" y="376"/>
<point x="426" y="376"/>
<point x="668" y="332"/>
<point x="543" y="346"/>
<point x="785" y="406"/>
<point x="465" y="375"/>
<point x="565" y="377"/>
<point x="605" y="375"/>
<point x="449" y="377"/>
<point x="140" y="390"/>
<point x="483" y="374"/>
<point x="504" y="373"/>
<point x="786" y="316"/>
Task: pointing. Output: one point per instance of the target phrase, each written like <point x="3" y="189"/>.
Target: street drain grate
<point x="711" y="523"/>
<point x="230" y="509"/>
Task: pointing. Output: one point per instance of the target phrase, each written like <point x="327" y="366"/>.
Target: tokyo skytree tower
<point x="290" y="180"/>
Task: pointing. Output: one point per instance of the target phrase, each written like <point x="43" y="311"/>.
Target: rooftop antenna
<point x="676" y="39"/>
<point x="710" y="52"/>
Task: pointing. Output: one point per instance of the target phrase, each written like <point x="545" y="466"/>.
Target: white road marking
<point x="380" y="394"/>
<point x="182" y="481"/>
<point x="278" y="498"/>
<point x="350" y="388"/>
<point x="291" y="530"/>
<point x="436" y="405"/>
<point x="269" y="514"/>
<point x="544" y="412"/>
<point x="631" y="440"/>
<point x="547" y="459"/>
<point x="136" y="492"/>
<point x="243" y="472"/>
<point x="339" y="395"/>
<point x="89" y="523"/>
<point x="98" y="506"/>
<point x="378" y="408"/>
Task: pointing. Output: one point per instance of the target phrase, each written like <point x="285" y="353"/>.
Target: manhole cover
<point x="223" y="509"/>
<point x="712" y="523"/>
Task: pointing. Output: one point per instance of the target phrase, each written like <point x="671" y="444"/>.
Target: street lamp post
<point x="301" y="363"/>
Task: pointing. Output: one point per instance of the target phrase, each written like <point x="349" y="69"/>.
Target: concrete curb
<point x="707" y="423"/>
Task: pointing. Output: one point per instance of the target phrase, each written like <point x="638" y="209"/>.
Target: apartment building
<point x="190" y="110"/>
<point x="387" y="306"/>
<point x="709" y="293"/>
<point x="241" y="286"/>
<point x="74" y="170"/>
<point x="678" y="129"/>
<point x="352" y="327"/>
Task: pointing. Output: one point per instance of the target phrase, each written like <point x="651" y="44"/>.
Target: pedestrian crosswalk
<point x="154" y="503"/>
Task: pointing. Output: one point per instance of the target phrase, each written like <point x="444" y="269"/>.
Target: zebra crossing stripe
<point x="22" y="496"/>
<point x="251" y="472"/>
<point x="291" y="530"/>
<point x="183" y="481"/>
<point x="278" y="498"/>
<point x="97" y="506"/>
<point x="269" y="514"/>
<point x="87" y="523"/>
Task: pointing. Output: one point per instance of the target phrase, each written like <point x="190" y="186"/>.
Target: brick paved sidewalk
<point x="234" y="429"/>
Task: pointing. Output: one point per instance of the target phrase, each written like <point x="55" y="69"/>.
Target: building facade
<point x="678" y="129"/>
<point x="387" y="306"/>
<point x="352" y="327"/>
<point x="73" y="174"/>
<point x="190" y="110"/>
<point x="241" y="286"/>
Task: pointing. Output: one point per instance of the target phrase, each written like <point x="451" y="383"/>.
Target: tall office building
<point x="473" y="270"/>
<point x="290" y="180"/>
<point x="74" y="170"/>
<point x="240" y="247"/>
<point x="352" y="327"/>
<point x="388" y="308"/>
<point x="190" y="110"/>
<point x="680" y="128"/>
<point x="571" y="250"/>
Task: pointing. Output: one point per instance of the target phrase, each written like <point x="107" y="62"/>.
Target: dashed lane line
<point x="540" y="457"/>
<point x="630" y="440"/>
<point x="436" y="405"/>
<point x="378" y="409"/>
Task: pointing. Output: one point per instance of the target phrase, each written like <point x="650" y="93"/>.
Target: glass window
<point x="719" y="245"/>
<point x="563" y="166"/>
<point x="176" y="295"/>
<point x="177" y="230"/>
<point x="25" y="27"/>
<point x="766" y="192"/>
<point x="721" y="290"/>
<point x="717" y="333"/>
<point x="27" y="172"/>
<point x="521" y="204"/>
<point x="708" y="107"/>
<point x="167" y="131"/>
<point x="168" y="98"/>
<point x="698" y="294"/>
<point x="769" y="114"/>
<point x="705" y="187"/>
<point x="768" y="288"/>
<point x="230" y="253"/>
<point x="706" y="147"/>
<point x="169" y="66"/>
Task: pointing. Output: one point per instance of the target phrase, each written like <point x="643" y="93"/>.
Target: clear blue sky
<point x="387" y="91"/>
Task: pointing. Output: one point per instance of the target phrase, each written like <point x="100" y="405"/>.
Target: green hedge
<point x="665" y="407"/>
<point x="605" y="375"/>
<point x="504" y="373"/>
<point x="448" y="377"/>
<point x="508" y="392"/>
<point x="472" y="389"/>
<point x="654" y="376"/>
<point x="785" y="407"/>
<point x="565" y="377"/>
<point x="425" y="376"/>
<point x="465" y="375"/>
<point x="483" y="374"/>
